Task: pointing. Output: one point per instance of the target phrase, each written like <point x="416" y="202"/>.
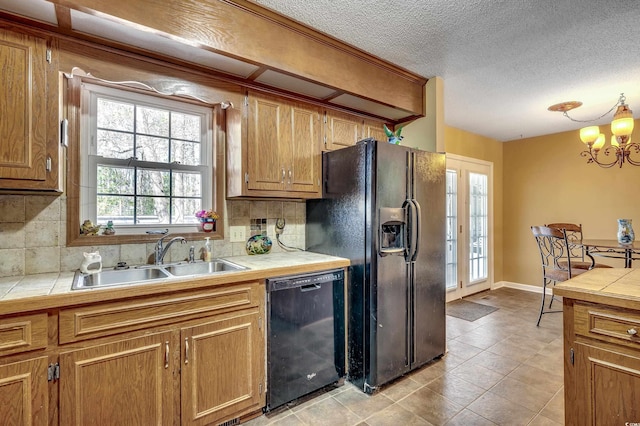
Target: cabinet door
<point x="222" y="369"/>
<point x="305" y="155"/>
<point x="128" y="382"/>
<point x="375" y="130"/>
<point x="608" y="386"/>
<point x="24" y="108"/>
<point x="24" y="393"/>
<point x="266" y="152"/>
<point x="341" y="130"/>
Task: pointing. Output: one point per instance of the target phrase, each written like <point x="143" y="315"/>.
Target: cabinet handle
<point x="632" y="332"/>
<point x="283" y="174"/>
<point x="186" y="350"/>
<point x="289" y="176"/>
<point x="166" y="354"/>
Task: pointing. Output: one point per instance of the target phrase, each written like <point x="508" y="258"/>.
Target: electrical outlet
<point x="238" y="234"/>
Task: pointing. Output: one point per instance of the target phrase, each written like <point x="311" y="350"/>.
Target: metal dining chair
<point x="557" y="265"/>
<point x="576" y="250"/>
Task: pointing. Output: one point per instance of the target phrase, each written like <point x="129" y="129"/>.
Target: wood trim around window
<point x="71" y="101"/>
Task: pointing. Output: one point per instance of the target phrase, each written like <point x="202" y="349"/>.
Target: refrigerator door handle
<point x="417" y="219"/>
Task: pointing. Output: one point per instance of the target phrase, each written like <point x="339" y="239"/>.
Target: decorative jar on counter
<point x="625" y="231"/>
<point x="207" y="224"/>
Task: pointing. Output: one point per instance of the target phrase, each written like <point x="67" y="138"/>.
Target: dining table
<point x="612" y="249"/>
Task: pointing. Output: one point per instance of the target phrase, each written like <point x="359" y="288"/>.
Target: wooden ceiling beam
<point x="246" y="31"/>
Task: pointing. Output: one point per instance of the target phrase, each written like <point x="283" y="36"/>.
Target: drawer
<point x="23" y="333"/>
<point x="607" y="324"/>
<point x="106" y="319"/>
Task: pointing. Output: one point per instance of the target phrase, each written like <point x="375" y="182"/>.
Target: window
<point x="145" y="160"/>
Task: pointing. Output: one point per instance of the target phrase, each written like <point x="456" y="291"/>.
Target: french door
<point x="469" y="226"/>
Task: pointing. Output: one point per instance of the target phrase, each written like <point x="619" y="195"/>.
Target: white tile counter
<point x="43" y="291"/>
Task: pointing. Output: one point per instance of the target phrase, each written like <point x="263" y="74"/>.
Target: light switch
<point x="238" y="234"/>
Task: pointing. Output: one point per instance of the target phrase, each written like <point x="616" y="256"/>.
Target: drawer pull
<point x="632" y="332"/>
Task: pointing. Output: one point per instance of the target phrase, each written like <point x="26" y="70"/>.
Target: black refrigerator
<point x="383" y="207"/>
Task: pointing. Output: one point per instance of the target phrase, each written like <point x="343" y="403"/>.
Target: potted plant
<point x="207" y="220"/>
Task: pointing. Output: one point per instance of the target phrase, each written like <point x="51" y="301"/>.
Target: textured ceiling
<point x="503" y="62"/>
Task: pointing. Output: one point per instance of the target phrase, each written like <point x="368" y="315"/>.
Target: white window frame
<point x="90" y="160"/>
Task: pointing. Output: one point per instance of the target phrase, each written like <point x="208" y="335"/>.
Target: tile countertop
<point x="48" y="291"/>
<point x="610" y="286"/>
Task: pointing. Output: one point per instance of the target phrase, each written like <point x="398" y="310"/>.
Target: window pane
<point x="119" y="209"/>
<point x="478" y="226"/>
<point x="152" y="121"/>
<point x="115" y="144"/>
<point x="152" y="149"/>
<point x="186" y="184"/>
<point x="152" y="210"/>
<point x="452" y="230"/>
<point x="185" y="152"/>
<point x="115" y="115"/>
<point x="115" y="180"/>
<point x="153" y="182"/>
<point x="185" y="126"/>
<point x="184" y="210"/>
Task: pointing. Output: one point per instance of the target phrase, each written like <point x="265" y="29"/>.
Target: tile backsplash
<point x="33" y="229"/>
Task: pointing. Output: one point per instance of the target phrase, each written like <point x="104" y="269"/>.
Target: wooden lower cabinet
<point x="222" y="372"/>
<point x="128" y="382"/>
<point x="601" y="364"/>
<point x="607" y="387"/>
<point x="24" y="393"/>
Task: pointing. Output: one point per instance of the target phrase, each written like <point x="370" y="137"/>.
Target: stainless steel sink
<point x="111" y="277"/>
<point x="200" y="268"/>
<point x="147" y="273"/>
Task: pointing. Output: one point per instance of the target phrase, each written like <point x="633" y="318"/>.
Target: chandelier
<point x="621" y="147"/>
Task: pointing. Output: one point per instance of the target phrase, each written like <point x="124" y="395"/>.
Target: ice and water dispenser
<point x="392" y="230"/>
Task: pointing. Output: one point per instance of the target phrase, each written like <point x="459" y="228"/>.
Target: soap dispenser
<point x="208" y="252"/>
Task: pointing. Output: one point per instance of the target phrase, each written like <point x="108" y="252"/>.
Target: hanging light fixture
<point x="621" y="147"/>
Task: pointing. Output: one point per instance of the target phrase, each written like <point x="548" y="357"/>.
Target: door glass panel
<point x="452" y="226"/>
<point x="478" y="219"/>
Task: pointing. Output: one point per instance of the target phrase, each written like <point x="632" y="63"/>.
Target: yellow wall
<point x="546" y="180"/>
<point x="467" y="144"/>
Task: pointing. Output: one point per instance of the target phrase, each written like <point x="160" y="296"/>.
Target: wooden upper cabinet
<point x="375" y="130"/>
<point x="29" y="152"/>
<point x="342" y="130"/>
<point x="277" y="144"/>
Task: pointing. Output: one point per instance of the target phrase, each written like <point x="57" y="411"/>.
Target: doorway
<point x="469" y="226"/>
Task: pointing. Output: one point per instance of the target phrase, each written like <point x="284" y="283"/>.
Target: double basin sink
<point x="151" y="273"/>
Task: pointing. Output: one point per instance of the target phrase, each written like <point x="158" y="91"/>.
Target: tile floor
<point x="499" y="370"/>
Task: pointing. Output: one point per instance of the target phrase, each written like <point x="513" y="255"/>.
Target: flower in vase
<point x="207" y="214"/>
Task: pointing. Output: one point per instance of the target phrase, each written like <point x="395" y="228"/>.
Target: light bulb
<point x="599" y="143"/>
<point x="622" y="126"/>
<point x="589" y="134"/>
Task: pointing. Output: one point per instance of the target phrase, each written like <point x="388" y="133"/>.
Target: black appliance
<point x="383" y="207"/>
<point x="306" y="334"/>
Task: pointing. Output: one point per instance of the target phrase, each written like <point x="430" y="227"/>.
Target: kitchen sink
<point x="198" y="268"/>
<point x="146" y="273"/>
<point x="111" y="277"/>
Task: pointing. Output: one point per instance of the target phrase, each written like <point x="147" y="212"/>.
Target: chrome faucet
<point x="160" y="251"/>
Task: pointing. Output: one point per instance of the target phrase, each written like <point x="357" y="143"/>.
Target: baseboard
<point x="518" y="286"/>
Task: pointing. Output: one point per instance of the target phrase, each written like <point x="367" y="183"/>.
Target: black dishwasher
<point x="306" y="334"/>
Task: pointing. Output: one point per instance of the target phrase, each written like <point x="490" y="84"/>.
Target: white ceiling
<point x="503" y="62"/>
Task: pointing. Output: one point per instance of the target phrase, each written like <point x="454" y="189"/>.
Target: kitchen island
<point x="601" y="320"/>
<point x="184" y="350"/>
